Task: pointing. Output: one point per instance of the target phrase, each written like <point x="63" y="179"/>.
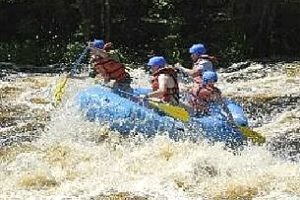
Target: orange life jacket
<point x="108" y="67"/>
<point x="197" y="78"/>
<point x="202" y="96"/>
<point x="171" y="92"/>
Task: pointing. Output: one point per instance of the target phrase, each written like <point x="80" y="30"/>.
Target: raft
<point x="100" y="104"/>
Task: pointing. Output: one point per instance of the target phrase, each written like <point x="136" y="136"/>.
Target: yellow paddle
<point x="251" y="135"/>
<point x="60" y="87"/>
<point x="180" y="113"/>
<point x="171" y="110"/>
<point x="183" y="115"/>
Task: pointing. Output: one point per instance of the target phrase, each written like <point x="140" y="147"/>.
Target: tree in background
<point x="47" y="32"/>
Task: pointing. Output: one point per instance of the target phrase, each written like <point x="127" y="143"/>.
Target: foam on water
<point x="74" y="158"/>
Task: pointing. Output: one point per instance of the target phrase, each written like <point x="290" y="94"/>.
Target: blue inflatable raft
<point x="100" y="104"/>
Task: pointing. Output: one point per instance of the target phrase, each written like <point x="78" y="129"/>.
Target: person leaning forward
<point x="108" y="68"/>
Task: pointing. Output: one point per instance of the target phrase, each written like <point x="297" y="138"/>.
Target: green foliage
<point x="234" y="50"/>
<point x="51" y="31"/>
<point x="8" y="51"/>
<point x="72" y="51"/>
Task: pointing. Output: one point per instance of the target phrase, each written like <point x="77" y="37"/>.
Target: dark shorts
<point x="123" y="85"/>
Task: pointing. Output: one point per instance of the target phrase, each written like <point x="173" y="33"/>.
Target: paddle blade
<point x="59" y="89"/>
<point x="171" y="110"/>
<point x="253" y="136"/>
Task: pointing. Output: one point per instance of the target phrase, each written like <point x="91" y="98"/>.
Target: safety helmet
<point x="209" y="76"/>
<point x="157" y="60"/>
<point x="98" y="44"/>
<point x="241" y="121"/>
<point x="198" y="49"/>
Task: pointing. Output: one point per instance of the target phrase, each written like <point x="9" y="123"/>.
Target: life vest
<point x="197" y="78"/>
<point x="212" y="59"/>
<point x="110" y="68"/>
<point x="171" y="93"/>
<point x="201" y="97"/>
<point x="206" y="66"/>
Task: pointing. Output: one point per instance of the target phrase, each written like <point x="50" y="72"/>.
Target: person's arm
<point x="162" y="80"/>
<point x="190" y="72"/>
<point x="108" y="46"/>
<point x="99" y="52"/>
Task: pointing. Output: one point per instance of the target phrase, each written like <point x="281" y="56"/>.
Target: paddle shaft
<point x="128" y="93"/>
<point x="171" y="110"/>
<point x="78" y="61"/>
<point x="61" y="86"/>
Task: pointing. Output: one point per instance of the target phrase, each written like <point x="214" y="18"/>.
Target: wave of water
<point x="57" y="154"/>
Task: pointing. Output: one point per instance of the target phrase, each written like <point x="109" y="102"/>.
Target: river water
<point x="52" y="152"/>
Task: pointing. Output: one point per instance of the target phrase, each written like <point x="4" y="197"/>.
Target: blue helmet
<point x="198" y="49"/>
<point x="209" y="76"/>
<point x="98" y="44"/>
<point x="157" y="60"/>
<point x="241" y="121"/>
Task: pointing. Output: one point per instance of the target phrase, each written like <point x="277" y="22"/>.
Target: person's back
<point x="108" y="67"/>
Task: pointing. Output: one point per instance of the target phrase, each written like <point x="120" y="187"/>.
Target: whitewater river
<point x="52" y="152"/>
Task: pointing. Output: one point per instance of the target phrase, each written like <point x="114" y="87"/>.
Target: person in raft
<point x="164" y="81"/>
<point x="201" y="98"/>
<point x="109" y="67"/>
<point x="201" y="63"/>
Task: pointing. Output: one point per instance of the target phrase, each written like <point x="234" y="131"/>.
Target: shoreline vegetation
<point x="43" y="33"/>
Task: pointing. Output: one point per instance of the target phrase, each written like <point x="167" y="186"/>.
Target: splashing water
<point x="65" y="156"/>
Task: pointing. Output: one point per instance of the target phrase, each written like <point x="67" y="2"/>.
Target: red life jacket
<point x="197" y="78"/>
<point x="171" y="92"/>
<point x="111" y="68"/>
<point x="202" y="96"/>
